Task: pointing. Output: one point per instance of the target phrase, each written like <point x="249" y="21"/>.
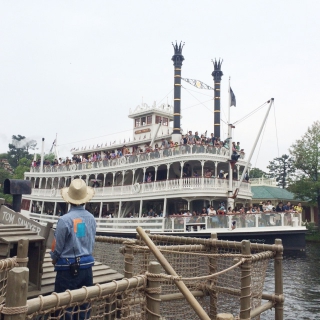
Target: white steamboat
<point x="169" y="181"/>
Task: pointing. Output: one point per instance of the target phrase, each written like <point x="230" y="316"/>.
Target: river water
<point x="301" y="280"/>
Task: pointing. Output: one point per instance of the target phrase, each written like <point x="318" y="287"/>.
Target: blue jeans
<point x="65" y="281"/>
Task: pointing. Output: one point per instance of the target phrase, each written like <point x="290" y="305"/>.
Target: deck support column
<point x="165" y="207"/>
<point x="140" y="209"/>
<point x="54" y="208"/>
<point x="133" y="172"/>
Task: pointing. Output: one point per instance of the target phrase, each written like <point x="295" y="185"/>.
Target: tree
<point x="19" y="148"/>
<point x="257" y="173"/>
<point x="24" y="166"/>
<point x="281" y="168"/>
<point x="306" y="154"/>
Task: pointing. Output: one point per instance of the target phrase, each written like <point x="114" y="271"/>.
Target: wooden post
<point x="225" y="316"/>
<point x="22" y="252"/>
<point x="167" y="267"/>
<point x="16" y="296"/>
<point x="278" y="280"/>
<point x="245" y="305"/>
<point x="128" y="262"/>
<point x="213" y="281"/>
<point x="153" y="292"/>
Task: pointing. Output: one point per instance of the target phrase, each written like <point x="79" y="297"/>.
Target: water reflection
<point x="301" y="278"/>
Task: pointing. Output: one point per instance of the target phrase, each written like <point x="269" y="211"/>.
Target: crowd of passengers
<point x="188" y="141"/>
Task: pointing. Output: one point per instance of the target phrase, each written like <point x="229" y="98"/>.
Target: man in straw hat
<point x="74" y="240"/>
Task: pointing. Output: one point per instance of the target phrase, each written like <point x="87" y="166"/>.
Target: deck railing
<point x="193" y="184"/>
<point x="137" y="158"/>
<point x="181" y="223"/>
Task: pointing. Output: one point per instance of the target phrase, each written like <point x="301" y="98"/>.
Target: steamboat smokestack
<point x="177" y="59"/>
<point x="217" y="74"/>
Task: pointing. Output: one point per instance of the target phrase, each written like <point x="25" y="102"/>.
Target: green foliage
<point x="19" y="148"/>
<point x="257" y="173"/>
<point x="281" y="168"/>
<point x="50" y="157"/>
<point x="306" y="154"/>
<point x="24" y="166"/>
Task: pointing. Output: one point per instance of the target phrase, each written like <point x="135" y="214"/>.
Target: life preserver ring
<point x="136" y="188"/>
<point x="123" y="160"/>
<point x="114" y="162"/>
<point x="53" y="192"/>
<point x="73" y="167"/>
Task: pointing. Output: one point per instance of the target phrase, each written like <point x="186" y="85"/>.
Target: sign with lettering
<point x="8" y="216"/>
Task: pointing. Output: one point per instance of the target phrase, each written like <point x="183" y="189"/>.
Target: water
<point x="301" y="279"/>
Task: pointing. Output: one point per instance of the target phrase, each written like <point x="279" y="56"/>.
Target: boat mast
<point x="253" y="148"/>
<point x="230" y="200"/>
<point x="177" y="59"/>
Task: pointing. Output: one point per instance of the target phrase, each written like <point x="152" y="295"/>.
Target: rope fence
<point x="219" y="277"/>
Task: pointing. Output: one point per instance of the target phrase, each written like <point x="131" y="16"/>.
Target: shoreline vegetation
<point x="313" y="233"/>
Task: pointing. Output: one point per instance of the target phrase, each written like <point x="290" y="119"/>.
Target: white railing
<point x="183" y="223"/>
<point x="185" y="184"/>
<point x="141" y="157"/>
<point x="263" y="181"/>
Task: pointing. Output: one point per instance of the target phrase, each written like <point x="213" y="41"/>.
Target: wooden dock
<point x="42" y="274"/>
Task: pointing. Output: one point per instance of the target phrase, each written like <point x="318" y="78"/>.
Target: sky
<point x="75" y="68"/>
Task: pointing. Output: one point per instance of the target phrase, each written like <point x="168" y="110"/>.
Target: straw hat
<point x="78" y="192"/>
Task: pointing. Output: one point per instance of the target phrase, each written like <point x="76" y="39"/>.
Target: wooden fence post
<point x="22" y="252"/>
<point x="16" y="296"/>
<point x="278" y="280"/>
<point x="245" y="303"/>
<point x="153" y="292"/>
<point x="213" y="282"/>
<point x="128" y="261"/>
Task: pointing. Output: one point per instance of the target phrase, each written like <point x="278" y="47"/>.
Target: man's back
<point x="75" y="233"/>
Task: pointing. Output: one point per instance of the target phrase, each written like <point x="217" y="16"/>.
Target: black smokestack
<point x="177" y="59"/>
<point x="217" y="74"/>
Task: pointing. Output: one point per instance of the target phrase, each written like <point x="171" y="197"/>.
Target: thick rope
<point x="13" y="310"/>
<point x="178" y="278"/>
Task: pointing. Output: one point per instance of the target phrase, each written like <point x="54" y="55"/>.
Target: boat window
<point x="158" y="119"/>
<point x="137" y="123"/>
<point x="143" y="121"/>
<point x="164" y="121"/>
<point x="149" y="119"/>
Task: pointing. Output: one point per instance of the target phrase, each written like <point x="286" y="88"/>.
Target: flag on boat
<point x="53" y="144"/>
<point x="232" y="98"/>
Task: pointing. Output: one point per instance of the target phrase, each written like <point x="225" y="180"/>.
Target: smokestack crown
<point x="217" y="73"/>
<point x="177" y="58"/>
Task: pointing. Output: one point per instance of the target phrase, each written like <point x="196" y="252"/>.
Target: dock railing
<point x="217" y="276"/>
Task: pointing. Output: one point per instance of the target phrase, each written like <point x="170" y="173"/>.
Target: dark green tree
<point x="24" y="166"/>
<point x="19" y="148"/>
<point x="281" y="169"/>
<point x="257" y="173"/>
<point x="306" y="154"/>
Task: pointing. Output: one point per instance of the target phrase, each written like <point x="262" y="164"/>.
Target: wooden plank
<point x="108" y="278"/>
<point x="98" y="274"/>
<point x="15" y="230"/>
<point x="8" y="226"/>
<point x="15" y="238"/>
<point x="51" y="273"/>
